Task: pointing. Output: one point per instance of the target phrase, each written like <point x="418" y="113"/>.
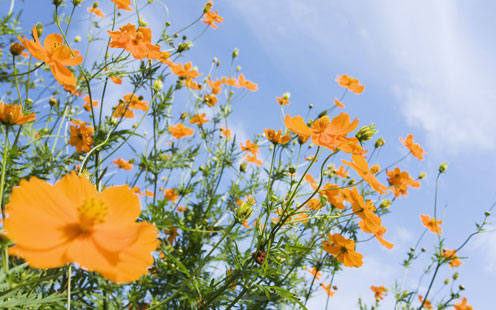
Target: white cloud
<point x="429" y="54"/>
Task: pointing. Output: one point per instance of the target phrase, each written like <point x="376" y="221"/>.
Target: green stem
<point x="4" y="170"/>
<point x="69" y="287"/>
<point x="204" y="261"/>
<point x="15" y="81"/>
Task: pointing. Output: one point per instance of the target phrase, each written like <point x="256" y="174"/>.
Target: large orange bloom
<point x="350" y="83"/>
<point x="276" y="137"/>
<point x="55" y="54"/>
<point x="414" y="148"/>
<point x="343" y="249"/>
<point x="123" y="4"/>
<point x="137" y="42"/>
<point x="360" y="165"/>
<point x="11" y="114"/>
<point x="324" y="132"/>
<point x="432" y="224"/>
<point x="399" y="181"/>
<point x="71" y="222"/>
<point x="463" y="305"/>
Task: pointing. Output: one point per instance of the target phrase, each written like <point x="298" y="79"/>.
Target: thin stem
<point x="69" y="287"/>
<point x="4" y="170"/>
<point x="15" y="81"/>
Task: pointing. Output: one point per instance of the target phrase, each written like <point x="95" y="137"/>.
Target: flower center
<point x="91" y="213"/>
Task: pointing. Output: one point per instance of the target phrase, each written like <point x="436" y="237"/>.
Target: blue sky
<point x="428" y="68"/>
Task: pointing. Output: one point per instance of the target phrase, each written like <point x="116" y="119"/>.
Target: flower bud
<point x="207" y="6"/>
<point x="386" y="203"/>
<point x="238" y="68"/>
<point x="423" y="249"/>
<point x="77" y="39"/>
<point x="184" y="46"/>
<point x="366" y="132"/>
<point x="77" y="2"/>
<point x="421" y="175"/>
<point x="245" y="210"/>
<point x="292" y="169"/>
<point x="412" y="249"/>
<point x="16" y="49"/>
<point x="443" y="167"/>
<point x="455" y="275"/>
<point x="57" y="2"/>
<point x="142" y="22"/>
<point x="53" y="101"/>
<point x="487" y="213"/>
<point x="310" y="106"/>
<point x="29" y="101"/>
<point x="323" y="113"/>
<point x="158" y="85"/>
<point x="461" y="287"/>
<point x="242" y="167"/>
<point x="235" y="53"/>
<point x="95" y="4"/>
<point x="380" y="142"/>
<point x="446" y="281"/>
<point x="302" y="139"/>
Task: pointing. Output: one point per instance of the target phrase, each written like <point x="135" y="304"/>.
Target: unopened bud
<point x="455" y="275"/>
<point x="421" y="175"/>
<point x="423" y="249"/>
<point x="57" y="2"/>
<point x="443" y="167"/>
<point x="238" y="68"/>
<point x="386" y="203"/>
<point x="16" y="49"/>
<point x="292" y="169"/>
<point x="158" y="85"/>
<point x="310" y="106"/>
<point x="95" y="4"/>
<point x="53" y="101"/>
<point x="77" y="39"/>
<point x="380" y="142"/>
<point x="39" y="29"/>
<point x="446" y="281"/>
<point x="245" y="210"/>
<point x="77" y="2"/>
<point x="235" y="53"/>
<point x="29" y="101"/>
<point x="461" y="287"/>
<point x="184" y="46"/>
<point x="487" y="213"/>
<point x="323" y="113"/>
<point x="366" y="132"/>
<point x="412" y="249"/>
<point x="242" y="167"/>
<point x="207" y="6"/>
<point x="142" y="22"/>
<point x="302" y="139"/>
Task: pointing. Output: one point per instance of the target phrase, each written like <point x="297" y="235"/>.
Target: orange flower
<point x="181" y="208"/>
<point x="432" y="224"/>
<point x="171" y="195"/>
<point x="87" y="105"/>
<point x="71" y="222"/>
<point x="173" y="234"/>
<point x="314" y="272"/>
<point x="116" y="80"/>
<point x="81" y="136"/>
<point x="215" y="86"/>
<point x="96" y="11"/>
<point x="314" y="204"/>
<point x="245" y="224"/>
<point x="427" y="303"/>
<point x="184" y="71"/>
<point x="56" y="55"/>
<point x="137" y="42"/>
<point x="463" y="305"/>
<point x="250" y="147"/>
<point x="328" y="290"/>
<point x="324" y="132"/>
<point x="350" y="83"/>
<point x="341" y="172"/>
<point x="334" y="195"/>
<point x="380" y="291"/>
<point x="179" y="131"/>
<point x="277" y="137"/>
<point x="123" y="164"/>
<point x="338" y="103"/>
<point x="210" y="99"/>
<point x="343" y="249"/>
<point x="360" y="165"/>
<point x="365" y="211"/>
<point x="242" y="82"/>
<point x="284" y="99"/>
<point x="210" y="16"/>
<point x="198" y="119"/>
<point x="414" y="148"/>
<point x="399" y="181"/>
<point x="225" y="132"/>
<point x="129" y="103"/>
<point x="452" y="257"/>
<point x="253" y="160"/>
<point x="123" y="4"/>
<point x="11" y="114"/>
